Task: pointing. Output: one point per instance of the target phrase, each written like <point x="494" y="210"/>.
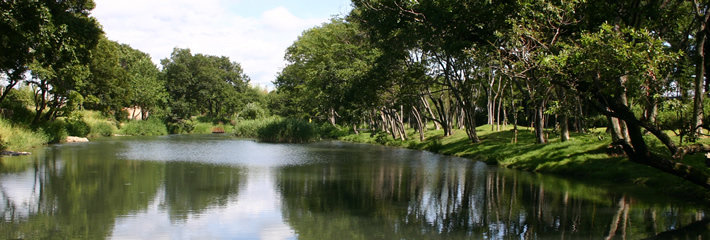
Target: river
<point x="218" y="187"/>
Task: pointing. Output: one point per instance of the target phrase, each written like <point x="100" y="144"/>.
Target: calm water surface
<point x="216" y="187"/>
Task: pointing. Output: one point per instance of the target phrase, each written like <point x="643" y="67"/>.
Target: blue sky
<point x="253" y="33"/>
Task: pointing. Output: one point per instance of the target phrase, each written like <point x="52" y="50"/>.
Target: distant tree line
<point x="636" y="67"/>
<point x="58" y="53"/>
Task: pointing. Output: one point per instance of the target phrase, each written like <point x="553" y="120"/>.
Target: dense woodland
<point x="635" y="67"/>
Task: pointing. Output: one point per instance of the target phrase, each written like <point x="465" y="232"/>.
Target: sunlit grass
<point x="19" y="138"/>
<point x="99" y="125"/>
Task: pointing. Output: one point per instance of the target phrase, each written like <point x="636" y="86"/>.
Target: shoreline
<point x="585" y="156"/>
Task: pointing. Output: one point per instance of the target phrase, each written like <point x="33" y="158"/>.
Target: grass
<point x="584" y="156"/>
<point x="19" y="138"/>
<point x="99" y="125"/>
<point x="151" y="127"/>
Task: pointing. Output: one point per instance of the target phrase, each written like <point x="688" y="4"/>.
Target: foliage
<point x="288" y="131"/>
<point x="102" y="129"/>
<point x="250" y="128"/>
<point x="56" y="131"/>
<point x="18" y="138"/>
<point x="77" y="127"/>
<point x="253" y="111"/>
<point x="330" y="131"/>
<point x="324" y="65"/>
<point x="151" y="127"/>
<point x="18" y="102"/>
<point x="203" y="84"/>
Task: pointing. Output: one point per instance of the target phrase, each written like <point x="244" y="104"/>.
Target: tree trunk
<point x="428" y="109"/>
<point x="515" y="118"/>
<point x="699" y="71"/>
<point x="540" y="124"/>
<point x="331" y="116"/>
<point x="615" y="129"/>
<point x="564" y="128"/>
<point x="418" y="121"/>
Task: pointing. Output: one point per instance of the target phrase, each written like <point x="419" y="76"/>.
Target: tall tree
<point x="106" y="88"/>
<point x="59" y="62"/>
<point x="325" y="66"/>
<point x="200" y="84"/>
<point x="146" y="88"/>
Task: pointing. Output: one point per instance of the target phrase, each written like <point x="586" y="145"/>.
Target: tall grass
<point x="17" y="138"/>
<point x="284" y="130"/>
<point x="250" y="128"/>
<point x="99" y="126"/>
<point x="289" y="131"/>
<point x="151" y="127"/>
<point x="202" y="128"/>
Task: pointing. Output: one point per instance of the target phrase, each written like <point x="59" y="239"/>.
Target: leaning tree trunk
<point x="418" y="121"/>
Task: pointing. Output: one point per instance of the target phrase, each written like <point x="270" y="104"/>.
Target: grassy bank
<point x="585" y="156"/>
<point x="19" y="138"/>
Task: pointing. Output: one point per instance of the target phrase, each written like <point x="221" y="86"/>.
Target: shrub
<point x="288" y="131"/>
<point x="101" y="129"/>
<point x="327" y="130"/>
<point x="180" y="126"/>
<point x="151" y="127"/>
<point x="250" y="128"/>
<point x="202" y="128"/>
<point x="56" y="130"/>
<point x="253" y="111"/>
<point x="77" y="127"/>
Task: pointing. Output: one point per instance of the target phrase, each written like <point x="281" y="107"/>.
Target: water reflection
<point x="59" y="196"/>
<point x="419" y="198"/>
<point x="222" y="188"/>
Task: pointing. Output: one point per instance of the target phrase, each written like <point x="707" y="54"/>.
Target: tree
<point x="597" y="64"/>
<point x="203" y="84"/>
<point x="325" y="65"/>
<point x="146" y="88"/>
<point x="25" y="26"/>
<point x="106" y="88"/>
<point x="59" y="62"/>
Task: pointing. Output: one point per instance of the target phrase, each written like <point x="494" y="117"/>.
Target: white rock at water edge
<point x="72" y="139"/>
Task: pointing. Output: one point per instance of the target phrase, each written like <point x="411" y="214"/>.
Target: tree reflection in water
<point x="328" y="190"/>
<point x="456" y="199"/>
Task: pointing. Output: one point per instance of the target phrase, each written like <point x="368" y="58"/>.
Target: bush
<point x="250" y="128"/>
<point x="151" y="127"/>
<point x="77" y="127"/>
<point x="288" y="131"/>
<point x="180" y="126"/>
<point x="327" y="130"/>
<point x="253" y="111"/>
<point x="56" y="130"/>
<point x="202" y="128"/>
<point x="101" y="129"/>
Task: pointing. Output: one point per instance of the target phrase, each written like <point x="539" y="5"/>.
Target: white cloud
<point x="206" y="27"/>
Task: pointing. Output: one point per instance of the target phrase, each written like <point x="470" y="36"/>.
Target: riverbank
<point x="584" y="156"/>
<point x="17" y="135"/>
